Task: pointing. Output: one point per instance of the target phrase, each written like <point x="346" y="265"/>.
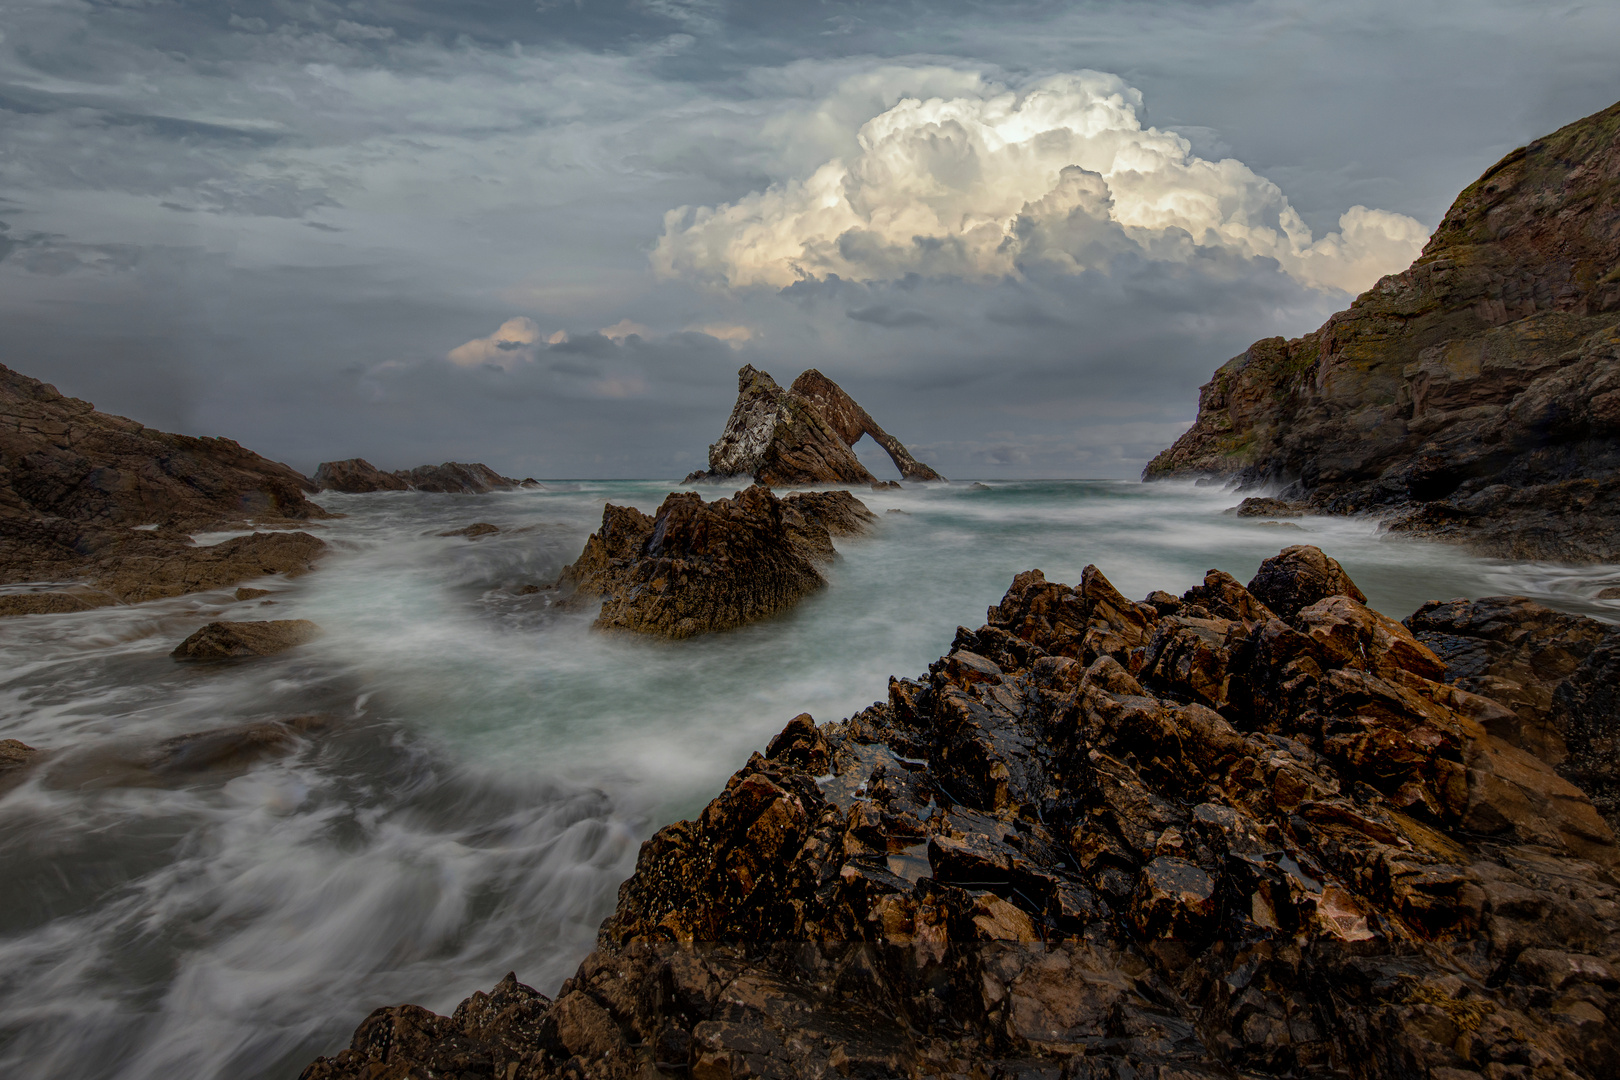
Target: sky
<point x="545" y="234"/>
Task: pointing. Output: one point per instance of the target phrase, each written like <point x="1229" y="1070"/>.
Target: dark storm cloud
<point x="277" y="221"/>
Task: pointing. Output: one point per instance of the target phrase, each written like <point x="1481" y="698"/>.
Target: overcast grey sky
<point x="545" y="234"/>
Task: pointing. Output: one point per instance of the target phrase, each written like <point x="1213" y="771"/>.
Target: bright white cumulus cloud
<point x="992" y="182"/>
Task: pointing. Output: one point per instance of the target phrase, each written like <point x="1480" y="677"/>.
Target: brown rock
<point x="1033" y="862"/>
<point x="250" y="594"/>
<point x="1267" y="508"/>
<point x="1298" y="577"/>
<point x="355" y="476"/>
<point x="851" y="421"/>
<point x="474" y="531"/>
<point x="227" y="640"/>
<point x="1610" y="593"/>
<point x="1473" y="397"/>
<point x="698" y="567"/>
<point x="801" y="435"/>
<point x="96" y="499"/>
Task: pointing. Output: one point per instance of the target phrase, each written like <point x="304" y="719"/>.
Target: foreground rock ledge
<point x="696" y="567"/>
<point x="1100" y="838"/>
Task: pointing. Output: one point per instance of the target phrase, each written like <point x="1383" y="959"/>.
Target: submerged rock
<point x="229" y="640"/>
<point x="698" y="567"/>
<point x="1185" y="838"/>
<point x="474" y="531"/>
<point x="105" y="506"/>
<point x="1473" y="397"/>
<point x="801" y="435"/>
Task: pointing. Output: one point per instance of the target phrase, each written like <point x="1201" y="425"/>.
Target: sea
<point x="479" y="766"/>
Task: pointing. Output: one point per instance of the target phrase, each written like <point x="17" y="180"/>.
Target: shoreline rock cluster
<point x="1244" y="831"/>
<point x="356" y="476"/>
<point x="697" y="567"/>
<point x="1474" y="397"/>
<point x="801" y="435"/>
<point x="99" y="509"/>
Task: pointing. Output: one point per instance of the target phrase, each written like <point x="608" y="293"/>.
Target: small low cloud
<point x="624" y="328"/>
<point x="735" y="336"/>
<point x="515" y="342"/>
<point x="993" y="182"/>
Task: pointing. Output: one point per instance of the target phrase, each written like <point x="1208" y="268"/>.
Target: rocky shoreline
<point x="1474" y="397"/>
<point x="1245" y="831"/>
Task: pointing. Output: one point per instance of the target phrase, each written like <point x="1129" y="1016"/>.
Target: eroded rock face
<point x="801" y="435"/>
<point x="851" y="421"/>
<point x="1185" y="838"/>
<point x="231" y="640"/>
<point x="1473" y="397"/>
<point x="358" y="476"/>
<point x="96" y="499"/>
<point x="1558" y="674"/>
<point x="697" y="567"/>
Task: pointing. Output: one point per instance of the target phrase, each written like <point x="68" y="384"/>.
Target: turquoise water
<point x="487" y="764"/>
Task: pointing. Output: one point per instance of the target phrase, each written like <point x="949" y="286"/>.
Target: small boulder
<point x="1610" y="593"/>
<point x="1298" y="577"/>
<point x="227" y="640"/>
<point x="1267" y="508"/>
<point x="246" y="593"/>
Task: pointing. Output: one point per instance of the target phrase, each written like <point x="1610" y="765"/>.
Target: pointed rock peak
<point x="801" y="435"/>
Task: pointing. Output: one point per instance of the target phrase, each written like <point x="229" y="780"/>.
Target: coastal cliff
<point x="1474" y="396"/>
<point x="1246" y="831"/>
<point x="102" y="507"/>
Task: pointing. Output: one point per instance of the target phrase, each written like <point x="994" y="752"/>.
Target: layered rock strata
<point x="1474" y="396"/>
<point x="1195" y="837"/>
<point x="801" y="435"/>
<point x="696" y="567"/>
<point x="105" y="506"/>
<point x="1558" y="673"/>
<point x="358" y="476"/>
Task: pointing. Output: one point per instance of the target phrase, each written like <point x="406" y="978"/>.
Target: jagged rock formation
<point x="105" y="503"/>
<point x="801" y="435"/>
<point x="1476" y="395"/>
<point x="1191" y="838"/>
<point x="698" y="567"/>
<point x="851" y="421"/>
<point x="1558" y="673"/>
<point x="357" y="476"/>
<point x="233" y="640"/>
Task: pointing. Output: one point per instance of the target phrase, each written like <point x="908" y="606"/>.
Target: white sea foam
<point x="488" y="764"/>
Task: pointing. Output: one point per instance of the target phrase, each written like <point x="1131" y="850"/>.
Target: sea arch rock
<point x="801" y="435"/>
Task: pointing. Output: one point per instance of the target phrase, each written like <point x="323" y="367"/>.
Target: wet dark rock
<point x="359" y="476"/>
<point x="250" y="594"/>
<point x="1298" y="577"/>
<point x="474" y="531"/>
<point x="230" y="640"/>
<point x="801" y="435"/>
<point x="1555" y="673"/>
<point x="16" y="758"/>
<point x="356" y="476"/>
<point x="1187" y="838"/>
<point x="1267" y="508"/>
<point x="698" y="567"/>
<point x="103" y="506"/>
<point x="1475" y="396"/>
<point x="1610" y="593"/>
<point x="886" y="485"/>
